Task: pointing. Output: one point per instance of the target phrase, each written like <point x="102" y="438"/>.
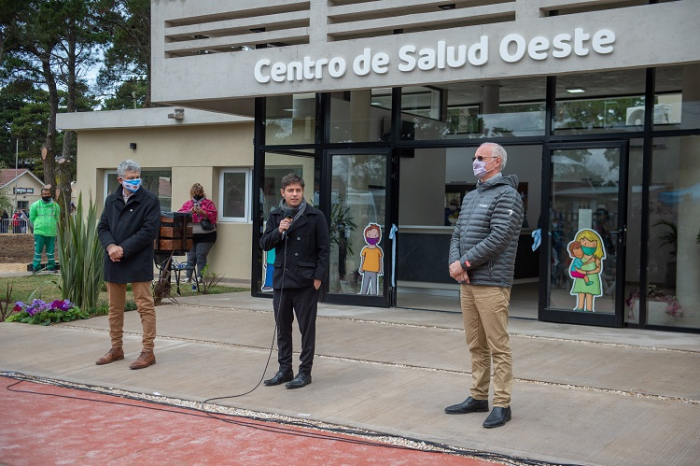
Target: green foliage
<point x="208" y="280"/>
<point x="48" y="317"/>
<point x="341" y="226"/>
<point x="128" y="55"/>
<point x="129" y="94"/>
<point x="670" y="237"/>
<point x="81" y="256"/>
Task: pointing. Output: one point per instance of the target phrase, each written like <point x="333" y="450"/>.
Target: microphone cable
<point x="274" y="333"/>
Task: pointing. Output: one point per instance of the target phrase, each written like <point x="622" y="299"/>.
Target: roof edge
<point x="143" y="118"/>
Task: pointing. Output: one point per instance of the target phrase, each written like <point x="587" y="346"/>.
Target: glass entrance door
<point x="360" y="266"/>
<point x="584" y="233"/>
<point x="276" y="166"/>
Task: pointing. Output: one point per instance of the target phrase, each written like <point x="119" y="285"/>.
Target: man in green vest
<point x="44" y="215"/>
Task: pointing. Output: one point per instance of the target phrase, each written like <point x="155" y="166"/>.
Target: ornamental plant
<point x="42" y="313"/>
<point x="81" y="256"/>
<point x="673" y="306"/>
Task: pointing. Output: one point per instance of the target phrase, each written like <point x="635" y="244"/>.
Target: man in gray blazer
<point x="482" y="260"/>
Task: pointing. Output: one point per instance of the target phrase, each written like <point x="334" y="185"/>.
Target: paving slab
<point x="574" y="401"/>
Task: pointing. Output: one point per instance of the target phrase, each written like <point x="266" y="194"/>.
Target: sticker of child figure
<point x="371" y="265"/>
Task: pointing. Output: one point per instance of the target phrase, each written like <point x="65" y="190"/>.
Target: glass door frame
<point x="385" y="298"/>
<point x="547" y="313"/>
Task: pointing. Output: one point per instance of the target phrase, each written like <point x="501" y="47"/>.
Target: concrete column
<point x="688" y="265"/>
<point x="490" y="99"/>
<point x="318" y="21"/>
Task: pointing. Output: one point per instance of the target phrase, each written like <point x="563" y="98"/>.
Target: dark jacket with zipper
<point x="133" y="226"/>
<point x="306" y="249"/>
<point x="487" y="232"/>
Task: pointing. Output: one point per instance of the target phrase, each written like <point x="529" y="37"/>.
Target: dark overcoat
<point x="307" y="249"/>
<point x="133" y="226"/>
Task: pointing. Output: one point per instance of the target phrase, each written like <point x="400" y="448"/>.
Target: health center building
<point x="380" y="105"/>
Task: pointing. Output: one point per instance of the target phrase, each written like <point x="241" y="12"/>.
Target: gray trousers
<point x="198" y="256"/>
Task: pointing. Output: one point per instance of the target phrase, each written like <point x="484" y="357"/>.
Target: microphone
<point x="287" y="213"/>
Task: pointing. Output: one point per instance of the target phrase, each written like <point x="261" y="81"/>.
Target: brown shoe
<point x="146" y="359"/>
<point x="114" y="354"/>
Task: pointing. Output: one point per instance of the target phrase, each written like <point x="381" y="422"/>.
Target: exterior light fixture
<point x="447" y="6"/>
<point x="132" y="145"/>
<point x="576" y="90"/>
<point x="178" y="114"/>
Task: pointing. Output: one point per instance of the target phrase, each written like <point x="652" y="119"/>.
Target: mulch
<point x="16" y="248"/>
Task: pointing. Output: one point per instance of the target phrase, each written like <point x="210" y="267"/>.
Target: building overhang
<point x="216" y="72"/>
<point x="145" y="118"/>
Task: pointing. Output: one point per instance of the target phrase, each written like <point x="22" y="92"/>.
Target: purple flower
<point x="19" y="306"/>
<point x="36" y="307"/>
<point x="61" y="305"/>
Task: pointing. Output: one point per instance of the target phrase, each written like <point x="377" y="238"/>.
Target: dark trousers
<point x="303" y="302"/>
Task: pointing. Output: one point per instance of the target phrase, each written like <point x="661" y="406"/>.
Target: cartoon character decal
<point x="268" y="270"/>
<point x="372" y="264"/>
<point x="587" y="252"/>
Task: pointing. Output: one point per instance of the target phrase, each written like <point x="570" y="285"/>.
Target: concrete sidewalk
<point x="585" y="395"/>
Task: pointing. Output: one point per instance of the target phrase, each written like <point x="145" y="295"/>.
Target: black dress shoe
<point x="301" y="380"/>
<point x="279" y="378"/>
<point x="470" y="405"/>
<point x="498" y="417"/>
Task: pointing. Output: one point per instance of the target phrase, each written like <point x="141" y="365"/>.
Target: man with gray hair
<point x="482" y="260"/>
<point x="129" y="224"/>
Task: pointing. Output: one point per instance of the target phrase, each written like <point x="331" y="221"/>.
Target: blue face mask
<point x="132" y="185"/>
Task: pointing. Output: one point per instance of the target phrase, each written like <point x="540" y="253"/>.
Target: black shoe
<point x="498" y="417"/>
<point x="279" y="378"/>
<point x="470" y="405"/>
<point x="301" y="380"/>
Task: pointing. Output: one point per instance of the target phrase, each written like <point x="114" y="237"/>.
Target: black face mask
<point x="197" y="198"/>
<point x="46" y="198"/>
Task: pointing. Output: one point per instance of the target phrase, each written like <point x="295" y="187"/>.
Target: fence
<point x="16" y="226"/>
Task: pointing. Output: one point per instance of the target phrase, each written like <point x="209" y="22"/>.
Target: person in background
<point x="482" y="260"/>
<point x="127" y="230"/>
<point x="202" y="239"/>
<point x="4" y="221"/>
<point x="16" y="222"/>
<point x="44" y="214"/>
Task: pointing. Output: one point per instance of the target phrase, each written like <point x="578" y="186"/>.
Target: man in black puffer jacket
<point x="482" y="260"/>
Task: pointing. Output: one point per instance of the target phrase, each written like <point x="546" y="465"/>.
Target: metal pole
<point x="16" y="170"/>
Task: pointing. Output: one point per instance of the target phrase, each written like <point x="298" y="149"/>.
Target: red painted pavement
<point x="52" y="428"/>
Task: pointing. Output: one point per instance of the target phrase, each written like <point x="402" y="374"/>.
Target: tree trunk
<point x="50" y="145"/>
<point x="63" y="172"/>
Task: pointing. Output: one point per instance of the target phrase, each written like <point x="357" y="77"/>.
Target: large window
<point x="361" y="116"/>
<point x="673" y="293"/>
<point x="677" y="100"/>
<point x="600" y="102"/>
<point x="234" y="199"/>
<point x="506" y="108"/>
<point x="158" y="182"/>
<point x="290" y="119"/>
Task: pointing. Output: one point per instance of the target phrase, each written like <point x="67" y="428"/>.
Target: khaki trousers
<point x="144" y="305"/>
<point x="485" y="314"/>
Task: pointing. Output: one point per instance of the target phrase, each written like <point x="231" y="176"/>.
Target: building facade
<point x="380" y="104"/>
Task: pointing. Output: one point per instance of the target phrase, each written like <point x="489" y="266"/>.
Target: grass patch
<point x="45" y="287"/>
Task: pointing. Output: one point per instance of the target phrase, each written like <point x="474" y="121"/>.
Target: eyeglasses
<point x="481" y="158"/>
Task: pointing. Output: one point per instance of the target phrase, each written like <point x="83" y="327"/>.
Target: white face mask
<point x="480" y="169"/>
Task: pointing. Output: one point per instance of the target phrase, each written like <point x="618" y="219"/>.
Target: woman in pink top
<point x="201" y="208"/>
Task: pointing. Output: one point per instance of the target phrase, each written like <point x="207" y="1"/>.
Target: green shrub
<point x="81" y="256"/>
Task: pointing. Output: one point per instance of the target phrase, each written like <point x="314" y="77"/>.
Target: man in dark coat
<point x="128" y="226"/>
<point x="300" y="237"/>
<point x="482" y="260"/>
